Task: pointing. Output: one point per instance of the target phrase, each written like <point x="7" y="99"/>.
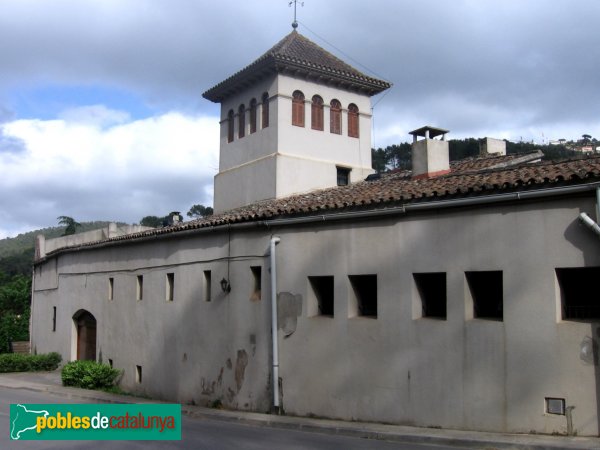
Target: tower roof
<point x="295" y="54"/>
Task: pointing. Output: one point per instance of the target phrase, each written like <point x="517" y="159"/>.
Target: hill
<point x="16" y="254"/>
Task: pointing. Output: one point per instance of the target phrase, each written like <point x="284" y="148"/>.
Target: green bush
<point x="89" y="375"/>
<point x="17" y="362"/>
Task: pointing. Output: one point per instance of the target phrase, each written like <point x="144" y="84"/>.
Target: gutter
<point x="588" y="221"/>
<point x="352" y="215"/>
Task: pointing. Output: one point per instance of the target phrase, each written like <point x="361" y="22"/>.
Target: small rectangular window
<point x="54" y="318"/>
<point x="343" y="176"/>
<point x="170" y="287"/>
<point x="139" y="287"/>
<point x="321" y="296"/>
<point x="485" y="288"/>
<point x="110" y="362"/>
<point x="431" y="288"/>
<point x="207" y="286"/>
<point x="555" y="406"/>
<point x="111" y="288"/>
<point x="364" y="290"/>
<point x="257" y="282"/>
<point x="138" y="374"/>
<point x="577" y="288"/>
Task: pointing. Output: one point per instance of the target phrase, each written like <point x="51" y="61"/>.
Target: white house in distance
<point x="461" y="295"/>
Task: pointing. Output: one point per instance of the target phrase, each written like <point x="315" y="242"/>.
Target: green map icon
<point x="24" y="420"/>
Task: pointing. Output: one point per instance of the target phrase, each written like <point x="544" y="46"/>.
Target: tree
<point x="69" y="223"/>
<point x="200" y="211"/>
<point x="153" y="221"/>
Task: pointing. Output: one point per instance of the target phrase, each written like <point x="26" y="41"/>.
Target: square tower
<point x="290" y="122"/>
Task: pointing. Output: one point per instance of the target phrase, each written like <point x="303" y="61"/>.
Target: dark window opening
<point x="298" y="109"/>
<point x="323" y="291"/>
<point x="138" y="374"/>
<point x="140" y="287"/>
<point x="54" y="318"/>
<point x="230" y="126"/>
<point x="316" y="113"/>
<point x="432" y="291"/>
<point x="111" y="288"/>
<point x="241" y="121"/>
<point x="257" y="276"/>
<point x="577" y="288"/>
<point x="253" y="116"/>
<point x="365" y="292"/>
<point x="486" y="291"/>
<point x="343" y="176"/>
<point x="207" y="285"/>
<point x="170" y="288"/>
<point x="110" y="362"/>
<point x="265" y="110"/>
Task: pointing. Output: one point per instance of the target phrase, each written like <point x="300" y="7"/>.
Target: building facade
<point x="459" y="298"/>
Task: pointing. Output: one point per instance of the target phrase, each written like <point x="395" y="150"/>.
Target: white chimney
<point x="430" y="156"/>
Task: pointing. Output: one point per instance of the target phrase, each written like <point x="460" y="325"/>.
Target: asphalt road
<point x="196" y="434"/>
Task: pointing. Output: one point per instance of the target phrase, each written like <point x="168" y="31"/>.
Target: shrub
<point x="17" y="362"/>
<point x="89" y="375"/>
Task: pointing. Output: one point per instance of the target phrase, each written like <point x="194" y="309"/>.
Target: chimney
<point x="490" y="146"/>
<point x="430" y="156"/>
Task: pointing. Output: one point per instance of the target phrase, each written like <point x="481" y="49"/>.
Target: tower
<point x="296" y="119"/>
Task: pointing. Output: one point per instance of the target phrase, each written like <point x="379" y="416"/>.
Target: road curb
<point x="393" y="433"/>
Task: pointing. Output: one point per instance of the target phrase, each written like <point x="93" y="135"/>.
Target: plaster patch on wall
<point x="588" y="351"/>
<point x="289" y="308"/>
<point x="240" y="368"/>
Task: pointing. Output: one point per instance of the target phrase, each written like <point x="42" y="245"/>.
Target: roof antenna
<point x="295" y="22"/>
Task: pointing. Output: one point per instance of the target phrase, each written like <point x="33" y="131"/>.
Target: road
<point x="196" y="434"/>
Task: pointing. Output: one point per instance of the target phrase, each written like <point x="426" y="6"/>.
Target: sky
<point x="101" y="108"/>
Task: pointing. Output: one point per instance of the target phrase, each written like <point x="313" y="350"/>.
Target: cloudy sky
<point x="102" y="118"/>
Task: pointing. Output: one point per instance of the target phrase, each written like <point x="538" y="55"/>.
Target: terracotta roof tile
<point x="297" y="53"/>
<point x="397" y="188"/>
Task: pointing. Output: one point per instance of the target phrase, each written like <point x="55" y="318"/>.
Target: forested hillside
<point x="16" y="259"/>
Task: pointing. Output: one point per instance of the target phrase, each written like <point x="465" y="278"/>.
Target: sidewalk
<point x="50" y="382"/>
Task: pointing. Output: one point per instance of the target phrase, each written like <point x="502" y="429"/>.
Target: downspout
<point x="274" y="325"/>
<point x="588" y="221"/>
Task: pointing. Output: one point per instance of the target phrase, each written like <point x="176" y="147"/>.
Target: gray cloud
<point x="506" y="68"/>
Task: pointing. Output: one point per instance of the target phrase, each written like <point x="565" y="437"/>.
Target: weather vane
<point x="295" y="22"/>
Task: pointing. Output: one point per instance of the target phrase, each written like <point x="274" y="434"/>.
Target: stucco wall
<point x="306" y="158"/>
<point x="456" y="373"/>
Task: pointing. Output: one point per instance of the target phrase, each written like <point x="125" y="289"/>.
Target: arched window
<point x="265" y="110"/>
<point x="230" y="126"/>
<point x="241" y="121"/>
<point x="298" y="109"/>
<point x="353" y="120"/>
<point x="335" y="117"/>
<point x="253" y="116"/>
<point x="316" y="113"/>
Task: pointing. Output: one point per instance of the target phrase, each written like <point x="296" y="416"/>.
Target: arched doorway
<point x="85" y="327"/>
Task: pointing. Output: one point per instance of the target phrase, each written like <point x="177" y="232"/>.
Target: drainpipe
<point x="598" y="204"/>
<point x="274" y="324"/>
<point x="589" y="222"/>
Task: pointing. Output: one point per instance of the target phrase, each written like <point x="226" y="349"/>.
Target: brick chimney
<point x="430" y="156"/>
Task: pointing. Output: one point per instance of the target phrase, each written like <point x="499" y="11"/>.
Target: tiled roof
<point x="298" y="54"/>
<point x="468" y="178"/>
